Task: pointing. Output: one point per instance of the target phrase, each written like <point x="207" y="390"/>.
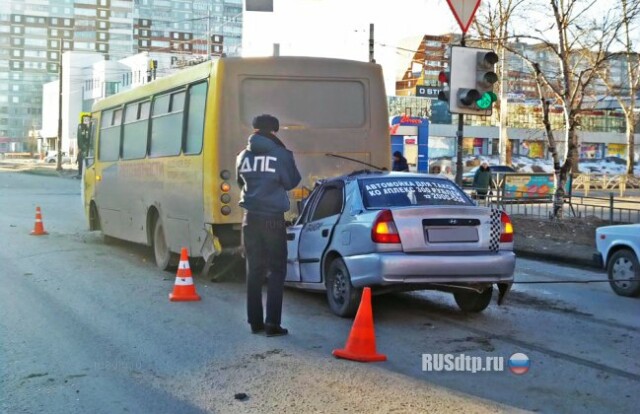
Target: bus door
<point x="86" y="144"/>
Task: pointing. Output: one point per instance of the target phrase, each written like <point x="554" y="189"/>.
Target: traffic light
<point x="471" y="81"/>
<point x="485" y="78"/>
<point x="444" y="94"/>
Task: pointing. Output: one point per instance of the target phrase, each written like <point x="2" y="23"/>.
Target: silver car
<point x="399" y="232"/>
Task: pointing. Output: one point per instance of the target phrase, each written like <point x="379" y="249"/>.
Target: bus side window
<point x="196" y="108"/>
<point x="166" y="124"/>
<point x="109" y="144"/>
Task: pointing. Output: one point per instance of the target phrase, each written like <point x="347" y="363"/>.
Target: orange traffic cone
<point x="361" y="345"/>
<point x="38" y="229"/>
<point x="184" y="289"/>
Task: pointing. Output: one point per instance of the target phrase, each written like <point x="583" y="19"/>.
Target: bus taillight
<point x="225" y="174"/>
<point x="225" y="187"/>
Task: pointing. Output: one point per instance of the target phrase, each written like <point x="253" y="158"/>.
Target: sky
<point x="340" y="29"/>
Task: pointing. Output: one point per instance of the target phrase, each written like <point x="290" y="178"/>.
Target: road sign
<point x="463" y="11"/>
<point x="427" y="91"/>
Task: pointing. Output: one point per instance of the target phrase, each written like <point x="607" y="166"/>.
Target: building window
<point x="67" y="22"/>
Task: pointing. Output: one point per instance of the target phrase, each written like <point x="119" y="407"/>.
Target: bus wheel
<point x="94" y="218"/>
<point x="165" y="260"/>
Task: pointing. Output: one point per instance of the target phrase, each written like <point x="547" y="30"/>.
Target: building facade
<point x="35" y="33"/>
<point x="602" y="124"/>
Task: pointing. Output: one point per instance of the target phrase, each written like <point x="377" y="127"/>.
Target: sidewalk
<point x="32" y="167"/>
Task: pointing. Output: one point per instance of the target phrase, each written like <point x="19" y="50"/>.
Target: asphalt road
<point x="86" y="326"/>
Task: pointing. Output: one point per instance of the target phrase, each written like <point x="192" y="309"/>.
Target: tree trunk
<point x="631" y="146"/>
<point x="570" y="166"/>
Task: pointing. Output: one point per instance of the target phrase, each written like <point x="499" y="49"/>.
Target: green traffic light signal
<point x="486" y="99"/>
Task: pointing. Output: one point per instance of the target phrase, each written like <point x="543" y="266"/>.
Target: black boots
<point x="275" y="330"/>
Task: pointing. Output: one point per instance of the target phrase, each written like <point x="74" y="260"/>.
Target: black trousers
<point x="265" y="247"/>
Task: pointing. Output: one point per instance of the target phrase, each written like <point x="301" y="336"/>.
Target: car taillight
<point x="506" y="232"/>
<point x="384" y="228"/>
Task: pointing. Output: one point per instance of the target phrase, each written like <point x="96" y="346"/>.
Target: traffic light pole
<point x="459" y="136"/>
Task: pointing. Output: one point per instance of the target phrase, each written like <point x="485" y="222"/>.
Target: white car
<point x="619" y="252"/>
<point x="52" y="158"/>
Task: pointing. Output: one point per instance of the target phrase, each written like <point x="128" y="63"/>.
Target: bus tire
<point x="94" y="218"/>
<point x="165" y="260"/>
<point x="96" y="224"/>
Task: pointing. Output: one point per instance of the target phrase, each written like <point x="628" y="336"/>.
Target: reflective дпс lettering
<point x="261" y="163"/>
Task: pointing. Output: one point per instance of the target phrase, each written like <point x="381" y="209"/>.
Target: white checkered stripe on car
<point x="496" y="228"/>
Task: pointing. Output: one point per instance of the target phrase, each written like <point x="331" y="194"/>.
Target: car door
<point x="315" y="233"/>
<point x="293" y="237"/>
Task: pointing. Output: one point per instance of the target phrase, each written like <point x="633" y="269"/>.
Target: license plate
<point x="452" y="235"/>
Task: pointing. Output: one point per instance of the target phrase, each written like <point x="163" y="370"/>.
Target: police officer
<point x="266" y="170"/>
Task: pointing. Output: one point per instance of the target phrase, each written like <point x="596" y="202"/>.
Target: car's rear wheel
<point x="165" y="260"/>
<point x="472" y="301"/>
<point x="623" y="266"/>
<point x="343" y="298"/>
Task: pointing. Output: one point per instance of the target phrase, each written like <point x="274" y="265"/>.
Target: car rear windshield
<point x="414" y="191"/>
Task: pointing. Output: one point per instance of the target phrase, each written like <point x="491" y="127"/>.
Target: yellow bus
<point x="160" y="169"/>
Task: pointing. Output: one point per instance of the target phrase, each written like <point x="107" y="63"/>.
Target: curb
<point x="37" y="170"/>
<point x="556" y="258"/>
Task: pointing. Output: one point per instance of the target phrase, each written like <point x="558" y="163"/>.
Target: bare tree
<point x="623" y="88"/>
<point x="564" y="68"/>
<point x="492" y="26"/>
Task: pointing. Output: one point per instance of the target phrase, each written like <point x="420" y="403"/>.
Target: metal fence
<point x="610" y="209"/>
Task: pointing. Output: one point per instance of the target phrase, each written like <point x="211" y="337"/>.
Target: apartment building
<point x="35" y="33"/>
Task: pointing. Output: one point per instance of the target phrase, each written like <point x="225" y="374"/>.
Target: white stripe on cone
<point x="184" y="281"/>
<point x="183" y="265"/>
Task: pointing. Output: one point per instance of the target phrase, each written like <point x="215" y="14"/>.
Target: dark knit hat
<point x="266" y="122"/>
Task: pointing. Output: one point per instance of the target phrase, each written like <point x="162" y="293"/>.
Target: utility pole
<point x="459" y="135"/>
<point x="209" y="31"/>
<point x="505" y="159"/>
<point x="59" y="143"/>
<point x="371" y="44"/>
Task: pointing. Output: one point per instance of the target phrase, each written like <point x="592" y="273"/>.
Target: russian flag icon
<point x="519" y="363"/>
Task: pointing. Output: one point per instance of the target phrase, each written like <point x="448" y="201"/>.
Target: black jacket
<point x="400" y="165"/>
<point x="266" y="170"/>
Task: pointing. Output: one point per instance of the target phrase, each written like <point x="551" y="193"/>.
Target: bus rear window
<point x="412" y="191"/>
<point x="322" y="103"/>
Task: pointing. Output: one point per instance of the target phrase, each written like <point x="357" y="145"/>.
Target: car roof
<point x="370" y="174"/>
